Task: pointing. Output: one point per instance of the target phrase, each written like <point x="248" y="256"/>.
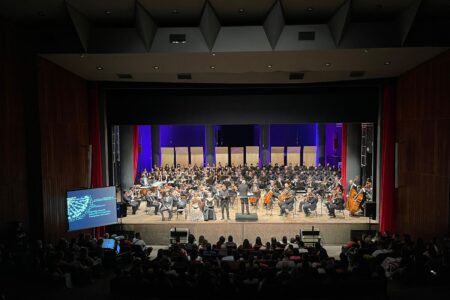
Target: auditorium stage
<point x="334" y="231"/>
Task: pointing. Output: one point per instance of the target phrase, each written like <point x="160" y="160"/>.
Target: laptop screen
<point x="108" y="244"/>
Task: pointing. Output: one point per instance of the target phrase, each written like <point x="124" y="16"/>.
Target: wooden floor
<point x="147" y="216"/>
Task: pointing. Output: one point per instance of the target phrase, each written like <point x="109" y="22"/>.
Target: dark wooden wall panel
<point x="423" y="134"/>
<point x="63" y="109"/>
<point x="13" y="175"/>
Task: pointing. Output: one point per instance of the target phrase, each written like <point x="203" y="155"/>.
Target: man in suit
<point x="224" y="201"/>
<point x="243" y="194"/>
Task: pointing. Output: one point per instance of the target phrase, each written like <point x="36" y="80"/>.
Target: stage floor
<point x="147" y="216"/>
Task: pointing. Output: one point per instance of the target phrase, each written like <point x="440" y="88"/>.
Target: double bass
<point x="354" y="199"/>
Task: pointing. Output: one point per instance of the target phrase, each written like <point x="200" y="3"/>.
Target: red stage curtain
<point x="135" y="149"/>
<point x="344" y="159"/>
<point x="387" y="190"/>
<point x="94" y="140"/>
<point x="94" y="137"/>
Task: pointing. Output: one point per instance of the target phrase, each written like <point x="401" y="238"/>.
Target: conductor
<point x="243" y="194"/>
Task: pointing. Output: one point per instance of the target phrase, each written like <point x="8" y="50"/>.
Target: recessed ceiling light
<point x="175" y="11"/>
<point x="156" y="67"/>
<point x="212" y="67"/>
<point x="309" y="9"/>
<point x="82" y="55"/>
<point x="108" y="12"/>
<point x="213" y="54"/>
<point x="327" y="64"/>
<point x="387" y="63"/>
<point x="269" y="66"/>
<point x="366" y="50"/>
<point x="99" y="68"/>
<point x="241" y="11"/>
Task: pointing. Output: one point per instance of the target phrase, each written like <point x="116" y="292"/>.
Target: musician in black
<point x="309" y="204"/>
<point x="224" y="201"/>
<point x="288" y="203"/>
<point x="167" y="204"/>
<point x="367" y="194"/>
<point x="337" y="201"/>
<point x="208" y="210"/>
<point x="153" y="201"/>
<point x="243" y="194"/>
<point x="130" y="198"/>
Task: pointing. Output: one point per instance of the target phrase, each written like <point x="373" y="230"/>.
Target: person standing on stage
<point x="243" y="194"/>
<point x="224" y="201"/>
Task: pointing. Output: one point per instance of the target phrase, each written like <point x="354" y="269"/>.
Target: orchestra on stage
<point x="195" y="192"/>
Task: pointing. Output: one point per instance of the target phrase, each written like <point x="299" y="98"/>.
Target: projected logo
<point x="78" y="207"/>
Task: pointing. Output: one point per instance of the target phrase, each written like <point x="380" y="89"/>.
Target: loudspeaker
<point x="370" y="210"/>
<point x="121" y="210"/>
<point x="246" y="218"/>
<point x="181" y="233"/>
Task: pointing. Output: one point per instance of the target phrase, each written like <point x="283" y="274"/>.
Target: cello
<point x="268" y="198"/>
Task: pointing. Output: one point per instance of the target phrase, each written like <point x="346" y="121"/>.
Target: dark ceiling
<point x="255" y="40"/>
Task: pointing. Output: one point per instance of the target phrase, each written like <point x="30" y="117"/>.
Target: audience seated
<point x="281" y="269"/>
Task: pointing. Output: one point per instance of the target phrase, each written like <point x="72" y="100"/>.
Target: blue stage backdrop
<point x="145" y="149"/>
<point x="241" y="135"/>
<point x="293" y="134"/>
<point x="333" y="144"/>
<point x="182" y="135"/>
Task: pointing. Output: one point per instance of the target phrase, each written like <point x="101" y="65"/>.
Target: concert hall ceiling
<point x="234" y="41"/>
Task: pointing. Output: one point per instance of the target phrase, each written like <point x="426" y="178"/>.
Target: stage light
<point x="241" y="11"/>
<point x="327" y="64"/>
<point x="108" y="12"/>
<point x="99" y="68"/>
<point x="212" y="67"/>
<point x="269" y="66"/>
<point x="387" y="63"/>
<point x="156" y="67"/>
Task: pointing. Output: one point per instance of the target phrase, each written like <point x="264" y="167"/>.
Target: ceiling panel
<point x="265" y="67"/>
<point x="35" y="12"/>
<point x="238" y="12"/>
<point x="107" y="12"/>
<point x="309" y="12"/>
<point x="173" y="13"/>
<point x="378" y="10"/>
<point x="433" y="9"/>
